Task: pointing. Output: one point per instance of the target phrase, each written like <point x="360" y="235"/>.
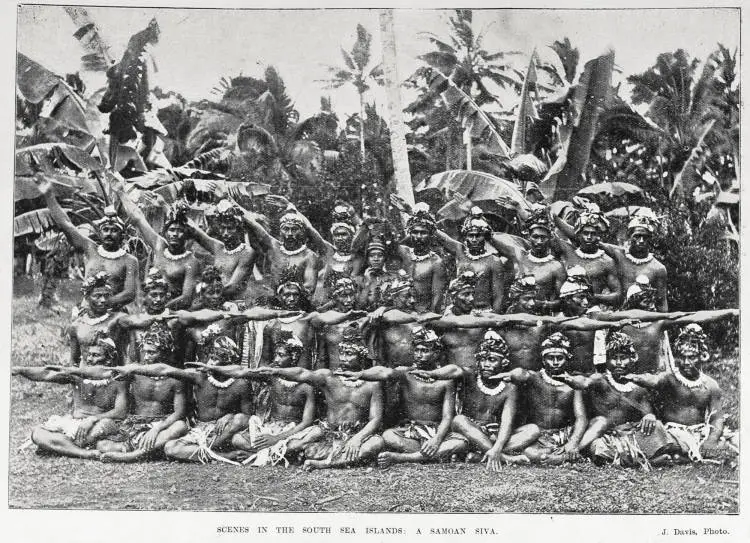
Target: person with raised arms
<point x="532" y="256"/>
<point x="623" y="429"/>
<point x="232" y="257"/>
<point x="555" y="413"/>
<point x="170" y="253"/>
<point x="108" y="256"/>
<point x="280" y="431"/>
<point x="691" y="401"/>
<point x="427" y="407"/>
<point x="98" y="403"/>
<point x="354" y="408"/>
<point x="489" y="407"/>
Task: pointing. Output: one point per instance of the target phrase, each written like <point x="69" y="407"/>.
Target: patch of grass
<point x="43" y="481"/>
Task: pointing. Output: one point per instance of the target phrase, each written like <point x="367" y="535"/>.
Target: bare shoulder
<point x="712" y="385"/>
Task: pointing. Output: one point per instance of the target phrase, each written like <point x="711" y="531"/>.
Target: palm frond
<point x="361" y="50"/>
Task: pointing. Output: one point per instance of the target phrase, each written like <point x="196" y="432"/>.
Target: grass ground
<point x="41" y="481"/>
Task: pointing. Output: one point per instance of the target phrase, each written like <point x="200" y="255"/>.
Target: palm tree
<point x="692" y="109"/>
<point x="359" y="72"/>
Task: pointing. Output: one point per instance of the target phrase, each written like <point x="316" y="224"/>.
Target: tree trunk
<point x="396" y="124"/>
<point x="362" y="126"/>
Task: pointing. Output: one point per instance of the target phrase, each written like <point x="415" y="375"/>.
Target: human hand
<point x="430" y="447"/>
<point x="571" y="453"/>
<point x="276" y="201"/>
<point x="424" y="374"/>
<point x="647" y="424"/>
<point x="400" y="204"/>
<point x="504" y="376"/>
<point x="222" y="424"/>
<point x="264" y="441"/>
<point x="508" y="203"/>
<point x="629" y="376"/>
<point x="83" y="431"/>
<point x="494" y="459"/>
<point x="628" y="322"/>
<point x="148" y="441"/>
<point x="200" y="366"/>
<point x="351" y="448"/>
<point x="53" y="367"/>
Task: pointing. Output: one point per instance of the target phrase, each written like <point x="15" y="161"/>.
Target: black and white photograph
<point x="388" y="260"/>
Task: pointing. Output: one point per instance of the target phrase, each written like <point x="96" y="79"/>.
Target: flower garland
<point x="285" y="383"/>
<point x="110" y="255"/>
<point x="338" y="257"/>
<point x="538" y="259"/>
<point x="423" y="379"/>
<point x="96" y="320"/>
<point x="220" y="384"/>
<point x="470" y="256"/>
<point x="689" y="383"/>
<point x="489" y="391"/>
<point x="287" y="252"/>
<point x="419" y="258"/>
<point x="287" y="320"/>
<point x="169" y="256"/>
<point x="236" y="250"/>
<point x="619" y="387"/>
<point x="549" y="380"/>
<point x="639" y="261"/>
<point x="350" y="382"/>
<point x="97" y="383"/>
<point x="589" y="256"/>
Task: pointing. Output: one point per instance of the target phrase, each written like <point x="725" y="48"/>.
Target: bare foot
<point x="310" y="465"/>
<point x="237" y="456"/>
<point x="386" y="459"/>
<point x="93" y="455"/>
<point x="517" y="458"/>
<point x="120" y="457"/>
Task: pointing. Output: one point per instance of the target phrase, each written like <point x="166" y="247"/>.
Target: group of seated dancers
<point x="253" y="350"/>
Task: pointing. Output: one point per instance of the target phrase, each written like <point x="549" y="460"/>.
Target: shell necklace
<point x="646" y="259"/>
<point x="236" y="250"/>
<point x="489" y="391"/>
<point x="110" y="255"/>
<point x="619" y="387"/>
<point x="338" y="257"/>
<point x="169" y="256"/>
<point x="293" y="252"/>
<point x="285" y="383"/>
<point x="220" y="384"/>
<point x="351" y="383"/>
<point x="589" y="256"/>
<point x="419" y="258"/>
<point x="539" y="259"/>
<point x="470" y="256"/>
<point x="549" y="380"/>
<point x="422" y="379"/>
<point x="689" y="383"/>
<point x="96" y="320"/>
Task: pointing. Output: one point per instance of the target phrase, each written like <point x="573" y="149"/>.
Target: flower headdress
<point x="425" y="336"/>
<point x="618" y="342"/>
<point x="523" y="284"/>
<point x="100" y="280"/>
<point x="556" y="343"/>
<point x="576" y="282"/>
<point x="692" y="336"/>
<point x="476" y="222"/>
<point x="110" y="217"/>
<point x="421" y="216"/>
<point x="465" y="279"/>
<point x="493" y="343"/>
<point x="155" y="279"/>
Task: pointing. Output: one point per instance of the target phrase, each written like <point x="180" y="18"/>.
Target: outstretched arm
<point x="446" y="373"/>
<point x="235" y="371"/>
<point x="43" y="374"/>
<point x="449" y="244"/>
<point x="380" y="373"/>
<point x="516" y="375"/>
<point x="158" y="370"/>
<point x="508" y="245"/>
<point x="700" y="317"/>
<point x="584" y="324"/>
<point x="75" y="237"/>
<point x="264" y="240"/>
<point x="581" y="382"/>
<point x="301" y="375"/>
<point x="331" y="317"/>
<point x="139" y="219"/>
<point x="648" y="380"/>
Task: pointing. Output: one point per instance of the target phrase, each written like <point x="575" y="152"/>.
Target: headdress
<point x="475" y="222"/>
<point x="110" y="217"/>
<point x="290" y="341"/>
<point x="351" y="340"/>
<point x="375" y="244"/>
<point x="538" y="219"/>
<point x="155" y="279"/>
<point x="177" y="213"/>
<point x="224" y="349"/>
<point x="643" y="218"/>
<point x="693" y="336"/>
<point x="523" y="284"/>
<point x="426" y="336"/>
<point x="592" y="218"/>
<point x="493" y="343"/>
<point x="226" y="211"/>
<point x="465" y="279"/>
<point x="617" y="342"/>
<point x="576" y="282"/>
<point x="291" y="277"/>
<point x="210" y="279"/>
<point x="100" y="280"/>
<point x="400" y="283"/>
<point x="556" y="343"/>
<point x="102" y="339"/>
<point x="343" y="284"/>
<point x="159" y="335"/>
<point x="421" y="216"/>
<point x="291" y="217"/>
<point x="343" y="212"/>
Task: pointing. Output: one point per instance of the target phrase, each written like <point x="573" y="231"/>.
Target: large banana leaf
<point x="468" y="113"/>
<point x="479" y="187"/>
<point x="33" y="222"/>
<point x="526" y="110"/>
<point x="98" y="56"/>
